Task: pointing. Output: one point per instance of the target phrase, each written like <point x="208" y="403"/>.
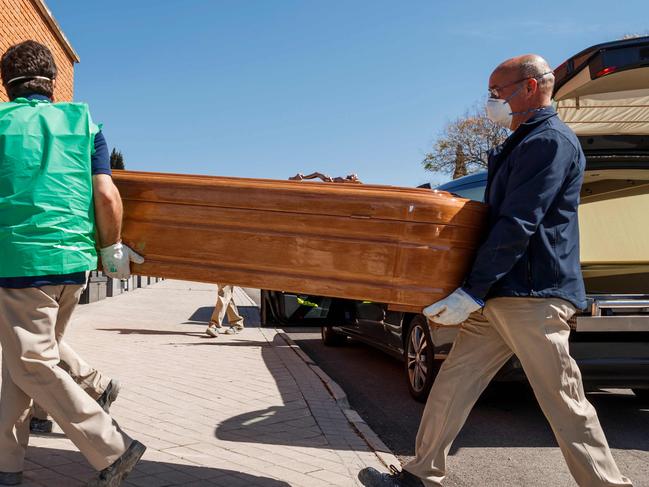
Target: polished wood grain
<point x="402" y="246"/>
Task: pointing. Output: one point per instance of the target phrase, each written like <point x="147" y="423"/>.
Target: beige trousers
<point x="536" y="330"/>
<point x="32" y="322"/>
<point x="225" y="304"/>
<point x="90" y="379"/>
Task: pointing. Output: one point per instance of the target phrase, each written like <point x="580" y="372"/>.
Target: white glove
<point x="116" y="260"/>
<point x="453" y="309"/>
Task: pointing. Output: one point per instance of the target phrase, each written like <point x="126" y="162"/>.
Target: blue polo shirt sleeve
<point x="537" y="176"/>
<point x="100" y="159"/>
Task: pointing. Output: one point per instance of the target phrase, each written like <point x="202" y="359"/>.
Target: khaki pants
<point x="536" y="330"/>
<point x="32" y="322"/>
<point x="225" y="304"/>
<point x="90" y="379"/>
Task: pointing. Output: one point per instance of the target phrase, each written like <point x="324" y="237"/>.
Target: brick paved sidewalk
<point x="232" y="411"/>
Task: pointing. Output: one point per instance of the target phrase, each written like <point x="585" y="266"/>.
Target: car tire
<point x="420" y="364"/>
<point x="331" y="338"/>
<point x="641" y="394"/>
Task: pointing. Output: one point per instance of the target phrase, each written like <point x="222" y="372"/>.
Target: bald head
<point x="526" y="83"/>
<point x="530" y="66"/>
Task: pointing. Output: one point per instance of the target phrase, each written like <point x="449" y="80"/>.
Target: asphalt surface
<point x="506" y="440"/>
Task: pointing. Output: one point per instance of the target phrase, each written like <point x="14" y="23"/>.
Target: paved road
<point x="506" y="441"/>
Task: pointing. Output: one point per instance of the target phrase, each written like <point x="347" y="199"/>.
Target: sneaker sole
<point x="137" y="451"/>
<point x="210" y="333"/>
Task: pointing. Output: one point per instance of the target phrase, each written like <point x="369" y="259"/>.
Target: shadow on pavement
<point x="250" y="315"/>
<point x="292" y="423"/>
<point x="200" y="317"/>
<point x="147" y="331"/>
<point x="503" y="419"/>
<point x="66" y="468"/>
<point x="506" y="415"/>
<point x="216" y="342"/>
<point x="202" y="314"/>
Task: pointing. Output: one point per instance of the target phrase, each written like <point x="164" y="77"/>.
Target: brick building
<point x="21" y="20"/>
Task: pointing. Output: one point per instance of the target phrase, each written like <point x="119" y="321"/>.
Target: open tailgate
<point x="604" y="90"/>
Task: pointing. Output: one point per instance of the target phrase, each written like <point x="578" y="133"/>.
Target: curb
<point x="380" y="449"/>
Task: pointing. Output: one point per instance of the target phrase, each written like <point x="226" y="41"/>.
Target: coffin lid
<point x="315" y="198"/>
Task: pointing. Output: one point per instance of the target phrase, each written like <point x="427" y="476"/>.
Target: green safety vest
<point x="47" y="223"/>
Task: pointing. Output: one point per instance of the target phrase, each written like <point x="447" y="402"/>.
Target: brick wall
<point x="21" y="20"/>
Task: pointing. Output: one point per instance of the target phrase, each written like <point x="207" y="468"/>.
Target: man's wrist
<point x="118" y="241"/>
<point x="477" y="300"/>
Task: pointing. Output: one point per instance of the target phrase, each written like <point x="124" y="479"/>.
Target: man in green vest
<point x="54" y="209"/>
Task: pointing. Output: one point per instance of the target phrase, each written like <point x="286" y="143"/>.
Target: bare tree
<point x="462" y="147"/>
<point x="460" y="163"/>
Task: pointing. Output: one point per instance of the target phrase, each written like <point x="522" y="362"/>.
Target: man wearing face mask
<point x="524" y="286"/>
<point x="57" y="201"/>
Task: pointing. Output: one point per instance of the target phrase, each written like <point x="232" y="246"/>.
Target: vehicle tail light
<point x="605" y="71"/>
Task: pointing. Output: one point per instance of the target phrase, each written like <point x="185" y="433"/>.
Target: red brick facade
<point x="21" y="20"/>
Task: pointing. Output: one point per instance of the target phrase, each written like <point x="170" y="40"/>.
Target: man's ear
<point x="532" y="85"/>
<point x="53" y="87"/>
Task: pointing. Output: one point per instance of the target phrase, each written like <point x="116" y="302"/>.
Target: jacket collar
<point x="523" y="129"/>
<point x="538" y="116"/>
<point x="499" y="153"/>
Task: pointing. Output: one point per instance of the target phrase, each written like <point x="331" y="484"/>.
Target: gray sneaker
<point x="233" y="330"/>
<point x="212" y="331"/>
<point x="370" y="477"/>
<point x="11" y="478"/>
<point x="113" y="475"/>
<point x="109" y="395"/>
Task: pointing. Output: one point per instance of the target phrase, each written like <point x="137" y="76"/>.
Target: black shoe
<point x="40" y="426"/>
<point x="11" y="478"/>
<point x="370" y="477"/>
<point x="112" y="476"/>
<point x="109" y="395"/>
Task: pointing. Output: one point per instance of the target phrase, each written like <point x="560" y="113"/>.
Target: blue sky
<point x="269" y="88"/>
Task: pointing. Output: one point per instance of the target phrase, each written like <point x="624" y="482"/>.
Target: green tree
<point x="116" y="159"/>
<point x="462" y="147"/>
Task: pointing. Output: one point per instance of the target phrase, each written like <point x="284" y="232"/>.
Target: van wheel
<point x="420" y="365"/>
<point x="641" y="394"/>
<point x="331" y="338"/>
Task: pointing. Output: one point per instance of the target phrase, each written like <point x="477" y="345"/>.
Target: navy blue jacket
<point x="532" y="247"/>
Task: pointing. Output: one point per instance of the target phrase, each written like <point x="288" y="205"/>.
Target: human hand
<point x="116" y="260"/>
<point x="453" y="309"/>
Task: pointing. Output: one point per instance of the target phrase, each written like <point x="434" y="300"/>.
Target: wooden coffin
<point x="401" y="246"/>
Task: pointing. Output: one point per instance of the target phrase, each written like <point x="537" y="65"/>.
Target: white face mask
<point x="499" y="112"/>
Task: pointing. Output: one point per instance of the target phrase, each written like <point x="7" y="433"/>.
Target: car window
<point x="470" y="187"/>
<point x="473" y="192"/>
<point x="476" y="193"/>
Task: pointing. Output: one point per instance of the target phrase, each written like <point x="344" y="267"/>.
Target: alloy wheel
<point x="417" y="358"/>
